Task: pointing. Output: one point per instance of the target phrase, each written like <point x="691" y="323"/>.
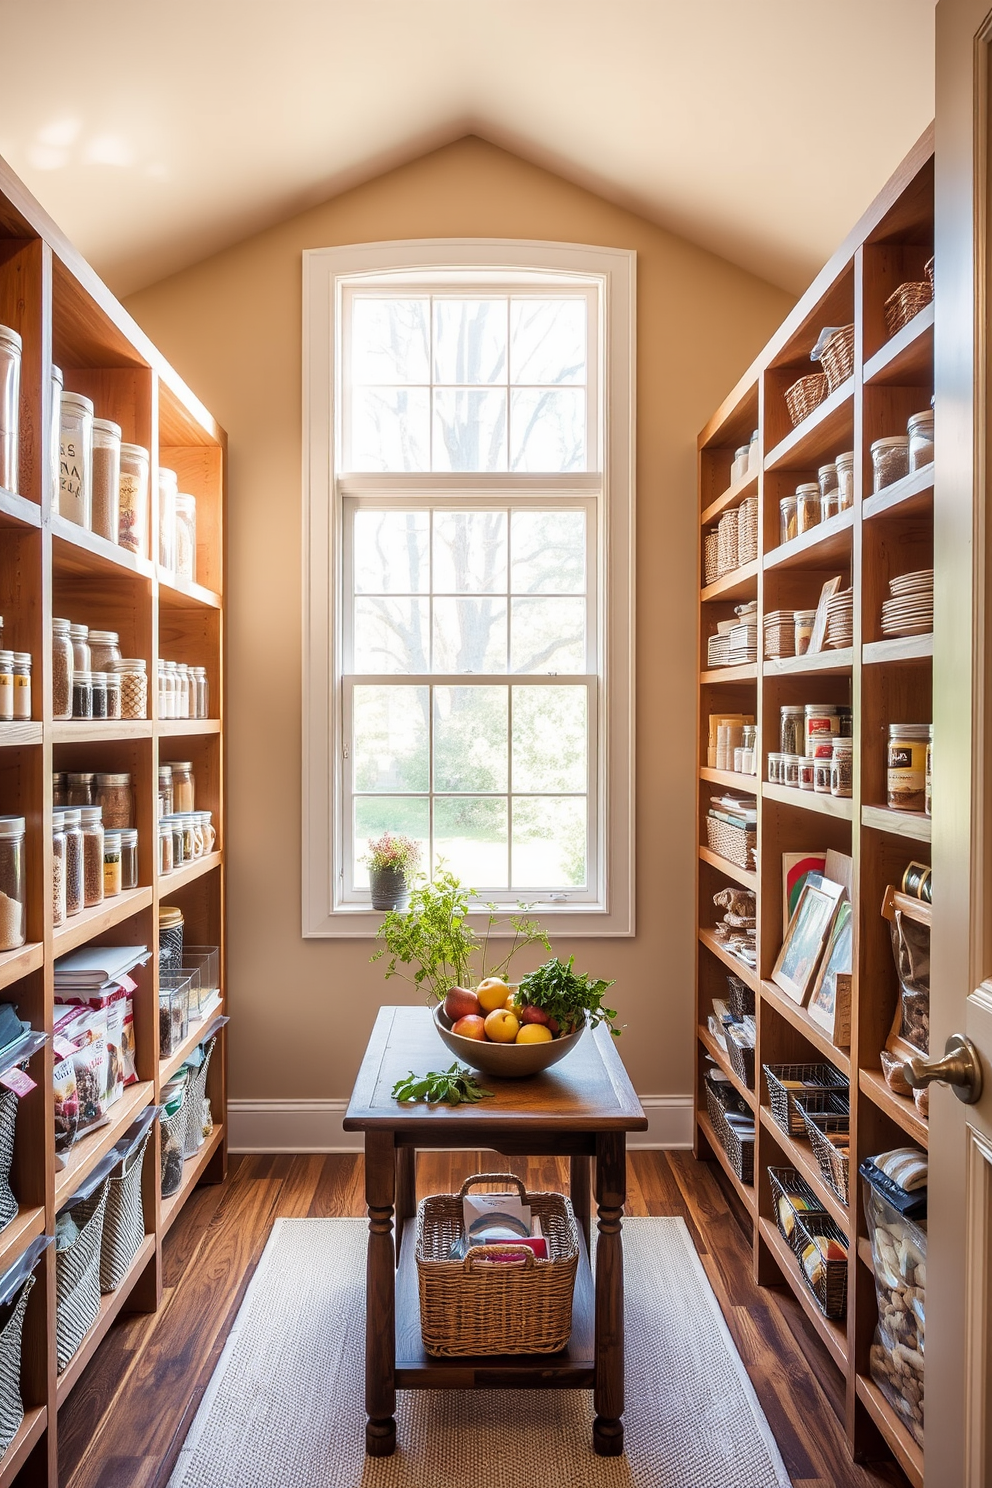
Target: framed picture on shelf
<point x="796" y="868"/>
<point x="830" y="1001"/>
<point x="806" y="936"/>
<point x="819" y="633"/>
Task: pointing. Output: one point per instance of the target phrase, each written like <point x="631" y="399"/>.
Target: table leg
<point x="406" y="1191"/>
<point x="380" y="1296"/>
<point x="578" y="1191"/>
<point x="611" y="1192"/>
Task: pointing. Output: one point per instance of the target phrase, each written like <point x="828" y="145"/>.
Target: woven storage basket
<point x="8" y="1122"/>
<point x="905" y="302"/>
<point x="785" y="1113"/>
<point x="828" y="1115"/>
<point x="711" y="556"/>
<point x="740" y="1150"/>
<point x="828" y="1283"/>
<point x="805" y="395"/>
<point x="837" y="356"/>
<point x="727" y="539"/>
<point x="747" y="530"/>
<point x="173" y="1132"/>
<point x="11" y="1336"/>
<point x="77" y="1278"/>
<point x="193" y="1098"/>
<point x="124" y="1221"/>
<point x="740" y="997"/>
<point x="475" y="1306"/>
<point x="732" y="843"/>
<point x="787" y="1188"/>
<point x="928" y="270"/>
<point x="741" y="1057"/>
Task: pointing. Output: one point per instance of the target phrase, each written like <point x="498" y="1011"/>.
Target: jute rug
<point x="284" y="1407"/>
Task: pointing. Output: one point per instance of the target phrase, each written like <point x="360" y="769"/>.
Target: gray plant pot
<point x="388" y="886"/>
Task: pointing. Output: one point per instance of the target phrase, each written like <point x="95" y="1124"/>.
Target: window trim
<point x="325" y="271"/>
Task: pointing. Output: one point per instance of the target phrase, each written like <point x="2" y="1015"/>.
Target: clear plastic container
<point x="113" y="792"/>
<point x="186" y="536"/>
<point x="129" y="858"/>
<point x="75" y="894"/>
<point x="183" y="785"/>
<point x="112" y="875"/>
<point x="91" y="824"/>
<point x="82" y="694"/>
<point x="12" y="916"/>
<point x="168" y="490"/>
<point x="62" y="667"/>
<point x="920" y="431"/>
<point x="788" y="528"/>
<point x="105" y="502"/>
<point x="133" y="499"/>
<point x="889" y="460"/>
<point x="134" y="686"/>
<point x="844" y="465"/>
<point x="6" y="686"/>
<point x="22" y="686"/>
<point x="807" y="506"/>
<point x="10" y="403"/>
<point x="76" y="459"/>
<point x="58" y="870"/>
<point x="906" y="766"/>
<point x="206" y="961"/>
<point x="173" y="1012"/>
<point x="899" y="1259"/>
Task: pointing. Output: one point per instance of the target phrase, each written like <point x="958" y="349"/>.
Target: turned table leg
<point x="578" y="1192"/>
<point x="406" y="1190"/>
<point x="611" y="1192"/>
<point x="380" y="1297"/>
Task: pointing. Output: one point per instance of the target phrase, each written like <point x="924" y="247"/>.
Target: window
<point x="469" y="626"/>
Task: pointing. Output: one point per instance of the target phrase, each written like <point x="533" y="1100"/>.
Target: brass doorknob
<point x="960" y="1068"/>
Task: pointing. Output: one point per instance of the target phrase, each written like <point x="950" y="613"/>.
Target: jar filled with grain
<point x="12" y="917"/>
<point x="105" y="505"/>
<point x="165" y="802"/>
<point x="787" y="519"/>
<point x="75" y="895"/>
<point x="129" y="858"/>
<point x="82" y="656"/>
<point x="6" y="686"/>
<point x="845" y="479"/>
<point x="134" y="687"/>
<point x="133" y="499"/>
<point x="920" y="431"/>
<point x="168" y="490"/>
<point x="183" y="785"/>
<point x="76" y="459"/>
<point x="164" y="846"/>
<point x="105" y="649"/>
<point x="827" y="480"/>
<point x="841" y="777"/>
<point x="61" y="670"/>
<point x="186" y="537"/>
<point x="60" y="788"/>
<point x="82" y="694"/>
<point x="91" y="825"/>
<point x="889" y="460"/>
<point x="113" y="682"/>
<point x="807" y="505"/>
<point x="114" y="794"/>
<point x="22" y="686"/>
<point x="98" y="683"/>
<point x="10" y="403"/>
<point x="112" y="879"/>
<point x="58" y="869"/>
<point x="54" y="450"/>
<point x="79" y="788"/>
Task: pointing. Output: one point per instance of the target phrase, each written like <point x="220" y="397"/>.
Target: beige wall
<point x="302" y="1009"/>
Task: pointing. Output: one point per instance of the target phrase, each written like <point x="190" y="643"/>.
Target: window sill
<point x="591" y="921"/>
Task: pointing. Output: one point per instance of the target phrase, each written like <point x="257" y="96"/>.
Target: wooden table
<point x="582" y="1108"/>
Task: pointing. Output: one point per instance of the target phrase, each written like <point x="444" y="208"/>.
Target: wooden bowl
<point x="505" y="1061"/>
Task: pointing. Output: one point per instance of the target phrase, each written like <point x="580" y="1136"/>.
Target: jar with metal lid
<point x="60" y="788"/>
<point x="82" y="694"/>
<point x="113" y="792"/>
<point x="54" y="451"/>
<point x="826" y="479"/>
<point x="928" y="788"/>
<point x="76" y="458"/>
<point x="822" y="722"/>
<point x="82" y="656"/>
<point x="790" y="770"/>
<point x="112" y="876"/>
<point x="62" y="665"/>
<point x="6" y="686"/>
<point x="22" y="686"/>
<point x="134" y="686"/>
<point x="807" y="773"/>
<point x="803" y="629"/>
<point x="920" y="431"/>
<point x="186" y="535"/>
<point x="791" y="729"/>
<point x="79" y="788"/>
<point x="168" y="490"/>
<point x="170" y="938"/>
<point x="58" y="870"/>
<point x="166" y="692"/>
<point x="75" y="896"/>
<point x="164" y="845"/>
<point x="10" y="404"/>
<point x="129" y="857"/>
<point x="195" y="831"/>
<point x="165" y="802"/>
<point x="775" y="770"/>
<point x="205" y="818"/>
<point x="91" y="825"/>
<point x="202" y="693"/>
<point x="113" y="682"/>
<point x="889" y="460"/>
<point x="841" y="777"/>
<point x="98" y="684"/>
<point x="807" y="505"/>
<point x="788" y="528"/>
<point x="105" y="504"/>
<point x="906" y="766"/>
<point x="183" y="785"/>
<point x="845" y="478"/>
<point x="749" y="738"/>
<point x="12" y="888"/>
<point x="105" y="649"/>
<point x="178" y="839"/>
<point x="133" y="499"/>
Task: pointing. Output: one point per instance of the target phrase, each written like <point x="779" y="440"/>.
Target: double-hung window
<point x="468" y="658"/>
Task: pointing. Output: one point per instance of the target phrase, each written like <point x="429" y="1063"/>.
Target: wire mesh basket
<point x="740" y="997"/>
<point x="195" y="1099"/>
<point x="793" y="1199"/>
<point x="788" y="1083"/>
<point x="740" y="1056"/>
<point x="827" y="1119"/>
<point x="824" y="1273"/>
<point x="721" y="1096"/>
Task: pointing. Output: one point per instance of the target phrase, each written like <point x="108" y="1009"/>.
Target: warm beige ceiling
<point x="157" y="133"/>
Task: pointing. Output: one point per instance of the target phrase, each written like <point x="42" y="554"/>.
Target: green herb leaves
<point x="451" y="1087"/>
<point x="567" y="996"/>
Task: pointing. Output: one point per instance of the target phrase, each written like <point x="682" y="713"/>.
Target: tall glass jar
<point x="91" y="823"/>
<point x="134" y="686"/>
<point x="80" y="785"/>
<point x="58" y="869"/>
<point x="889" y="460"/>
<point x="183" y="785"/>
<point x="129" y="858"/>
<point x="22" y="686"/>
<point x="133" y="499"/>
<point x="55" y="444"/>
<point x="920" y="431"/>
<point x="168" y="490"/>
<point x="807" y="505"/>
<point x="10" y="402"/>
<point x="82" y="694"/>
<point x="82" y="657"/>
<point x="62" y="666"/>
<point x="75" y="896"/>
<point x="113" y="682"/>
<point x="76" y="467"/>
<point x="845" y="478"/>
<point x="105" y="503"/>
<point x="165" y="846"/>
<point x="210" y="836"/>
<point x="906" y="766"/>
<point x="186" y="537"/>
<point x="98" y="683"/>
<point x="6" y="686"/>
<point x="114" y="794"/>
<point x="165" y="801"/>
<point x="60" y="788"/>
<point x="182" y="673"/>
<point x="105" y="649"/>
<point x="202" y="693"/>
<point x="113" y="880"/>
<point x="12" y="917"/>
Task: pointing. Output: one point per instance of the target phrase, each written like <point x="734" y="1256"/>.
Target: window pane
<point x="548" y="635"/>
<point x="471" y="742"/>
<point x="374" y="815"/>
<point x="390" y="743"/>
<point x="470" y="835"/>
<point x="470" y="635"/>
<point x="549" y="738"/>
<point x="390" y="340"/>
<point x="547" y="340"/>
<point x="392" y="635"/>
<point x="391" y="552"/>
<point x="469" y="430"/>
<point x="469" y="552"/>
<point x="470" y="340"/>
<point x="390" y="429"/>
<point x="548" y="429"/>
<point x="548" y="551"/>
<point x="549" y="842"/>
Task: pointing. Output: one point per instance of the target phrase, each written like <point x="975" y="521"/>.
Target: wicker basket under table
<point x="478" y="1306"/>
<point x="827" y="1115"/>
<point x="815" y="1077"/>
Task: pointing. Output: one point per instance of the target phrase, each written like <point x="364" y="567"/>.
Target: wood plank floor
<point x="123" y="1425"/>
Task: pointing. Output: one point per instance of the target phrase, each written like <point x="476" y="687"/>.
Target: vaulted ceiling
<point x="158" y="133"/>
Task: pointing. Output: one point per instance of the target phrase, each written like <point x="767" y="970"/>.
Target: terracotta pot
<point x="388" y="886"/>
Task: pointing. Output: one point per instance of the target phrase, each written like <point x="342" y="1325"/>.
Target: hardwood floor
<point x="123" y="1425"/>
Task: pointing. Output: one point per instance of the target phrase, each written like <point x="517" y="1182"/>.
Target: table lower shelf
<point x="572" y="1368"/>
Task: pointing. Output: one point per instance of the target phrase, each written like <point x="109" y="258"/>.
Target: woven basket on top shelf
<point x="809" y="1079"/>
<point x="827" y="1118"/>
<point x="805" y="395"/>
<point x="732" y="843"/>
<point x="727" y="542"/>
<point x="711" y="556"/>
<point x="905" y="302"/>
<point x="837" y="356"/>
<point x="747" y="530"/>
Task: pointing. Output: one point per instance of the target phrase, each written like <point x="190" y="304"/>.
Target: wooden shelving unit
<point x="883" y="680"/>
<point x="49" y="566"/>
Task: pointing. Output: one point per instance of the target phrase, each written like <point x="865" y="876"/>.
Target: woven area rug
<point x="284" y="1407"/>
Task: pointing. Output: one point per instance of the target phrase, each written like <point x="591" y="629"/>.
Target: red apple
<point x="460" y="1003"/>
<point x="531" y="1014"/>
<point x="473" y="1025"/>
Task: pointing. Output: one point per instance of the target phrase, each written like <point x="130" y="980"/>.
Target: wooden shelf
<point x="83" y="553"/>
<point x="739" y="875"/>
<point x="746" y="672"/>
<point x="906" y="359"/>
<point x="913" y="824"/>
<point x="744" y="1191"/>
<point x="198" y="1032"/>
<point x="834" y="1335"/>
<point x="17" y="964"/>
<point x="841" y="807"/>
<point x="803" y="1023"/>
<point x="15" y="1237"/>
<point x="110" y="1306"/>
<point x="175" y="591"/>
<point x="729" y="779"/>
<point x="16" y="735"/>
<point x="18" y="511"/>
<point x="897" y="649"/>
<point x="827" y="545"/>
<point x="904" y="1449"/>
<point x="26" y="1438"/>
<point x="99" y="730"/>
<point x="748" y="976"/>
<point x="901" y="1108"/>
<point x="732" y="496"/>
<point x="742" y="583"/>
<point x="84" y="1155"/>
<point x="800" y="1155"/>
<point x="910" y="497"/>
<point x="824" y="664"/>
<point x="192" y="1173"/>
<point x="185" y="727"/>
<point x="713" y="1049"/>
<point x="187" y="872"/>
<point x="828" y="430"/>
<point x="90" y="923"/>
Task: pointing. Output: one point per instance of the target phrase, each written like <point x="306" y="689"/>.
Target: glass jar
<point x="82" y="657"/>
<point x="165" y="801"/>
<point x="803" y="622"/>
<point x="889" y="460"/>
<point x="60" y="788"/>
<point x="822" y="722"/>
<point x="74" y="880"/>
<point x="753" y="452"/>
<point x="928" y="786"/>
<point x="6" y="686"/>
<point x="205" y="818"/>
<point x="12" y="931"/>
<point x="775" y="759"/>
<point x="788" y="528"/>
<point x="738" y="469"/>
<point x="807" y="506"/>
<point x="134" y="686"/>
<point x="195" y="832"/>
<point x="178" y="840"/>
<point x="827" y="480"/>
<point x="22" y="686"/>
<point x="790" y="770"/>
<point x="166" y="692"/>
<point x="129" y="858"/>
<point x="829" y="506"/>
<point x="185" y="822"/>
<point x="822" y="774"/>
<point x="114" y="794"/>
<point x="183" y="785"/>
<point x="920" y="431"/>
<point x="10" y="405"/>
<point x="182" y="690"/>
<point x="76" y="458"/>
<point x="807" y="774"/>
<point x="906" y="766"/>
<point x="113" y="880"/>
<point x="105" y="649"/>
<point x="792" y="737"/>
<point x="61" y="670"/>
<point x="202" y="693"/>
<point x="846" y="719"/>
<point x="170" y="939"/>
<point x="58" y="870"/>
<point x="79" y="788"/>
<point x="133" y="499"/>
<point x="82" y="694"/>
<point x="845" y="479"/>
<point x="54" y="451"/>
<point x="164" y="846"/>
<point x="168" y="490"/>
<point x="841" y="780"/>
<point x="91" y="825"/>
<point x="105" y="503"/>
<point x="186" y="536"/>
<point x="98" y="684"/>
<point x="113" y="682"/>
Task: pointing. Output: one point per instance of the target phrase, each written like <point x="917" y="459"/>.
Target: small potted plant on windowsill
<point x="392" y="862"/>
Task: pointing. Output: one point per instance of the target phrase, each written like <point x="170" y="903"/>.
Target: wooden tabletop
<point x="588" y="1091"/>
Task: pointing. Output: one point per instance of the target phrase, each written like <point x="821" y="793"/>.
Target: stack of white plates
<point x="909" y="610"/>
<point x="840" y="619"/>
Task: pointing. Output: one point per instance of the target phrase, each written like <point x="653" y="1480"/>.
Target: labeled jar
<point x="91" y="825"/>
<point x="822" y="774"/>
<point x="12" y="931"/>
<point x="98" y="685"/>
<point x="113" y="792"/>
<point x="105" y="503"/>
<point x="186" y="536"/>
<point x="76" y="458"/>
<point x="132" y="524"/>
<point x="928" y="786"/>
<point x="775" y="768"/>
<point x="788" y="528"/>
<point x="920" y="431"/>
<point x="113" y="682"/>
<point x="846" y="718"/>
<point x="183" y="785"/>
<point x="62" y="665"/>
<point x="22" y="686"/>
<point x="79" y="788"/>
<point x="82" y="657"/>
<point x="129" y="857"/>
<point x="165" y="801"/>
<point x="60" y="788"/>
<point x="889" y="460"/>
<point x="803" y="623"/>
<point x="105" y="649"/>
<point x="6" y="686"/>
<point x="74" y="879"/>
<point x="807" y="772"/>
<point x="168" y="490"/>
<point x="790" y="770"/>
<point x="807" y="506"/>
<point x="134" y="686"/>
<point x="170" y="939"/>
<point x="164" y="846"/>
<point x="82" y="694"/>
<point x="822" y="722"/>
<point x="54" y="450"/>
<point x="906" y="766"/>
<point x="10" y="404"/>
<point x="841" y="776"/>
<point x="844" y="465"/>
<point x="58" y="870"/>
<point x="112" y="875"/>
<point x="792" y="736"/>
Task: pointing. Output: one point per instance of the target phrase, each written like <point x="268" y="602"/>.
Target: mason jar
<point x="79" y="788"/>
<point x="112" y="876"/>
<point x="82" y="694"/>
<point x="113" y="682"/>
<point x="58" y="869"/>
<point x="91" y="826"/>
<point x="62" y="667"/>
<point x="76" y="459"/>
<point x="889" y="460"/>
<point x="105" y="649"/>
<point x="807" y="505"/>
<point x="98" y="684"/>
<point x="10" y="404"/>
<point x="129" y="857"/>
<point x="134" y="686"/>
<point x="202" y="693"/>
<point x="113" y="792"/>
<point x="170" y="938"/>
<point x="12" y="916"/>
<point x="74" y="883"/>
<point x="183" y="785"/>
<point x="164" y="846"/>
<point x="845" y="478"/>
<point x="165" y="802"/>
<point x="133" y="499"/>
<point x="105" y="501"/>
<point x="82" y="657"/>
<point x="920" y="431"/>
<point x="6" y="686"/>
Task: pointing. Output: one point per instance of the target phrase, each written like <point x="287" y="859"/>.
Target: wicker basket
<point x="8" y="1122"/>
<point x="739" y="1150"/>
<point x="928" y="270"/>
<point x="905" y="302"/>
<point x="805" y="395"/>
<point x="741" y="1058"/>
<point x="727" y="542"/>
<point x="787" y="1189"/>
<point x="825" y="1279"/>
<point x="11" y="1335"/>
<point x="732" y="843"/>
<point x="77" y="1278"/>
<point x="473" y="1306"/>
<point x="194" y="1098"/>
<point x="815" y="1077"/>
<point x="837" y="356"/>
<point x="711" y="556"/>
<point x="124" y="1221"/>
<point x="740" y="997"/>
<point x="747" y="530"/>
<point x="828" y="1115"/>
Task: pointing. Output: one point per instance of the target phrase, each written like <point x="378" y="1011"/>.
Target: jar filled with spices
<point x="133" y="499"/>
<point x="845" y="479"/>
<point x="841" y="780"/>
<point x="112" y="878"/>
<point x="12" y="917"/>
<point x="113" y="682"/>
<point x="79" y="788"/>
<point x="829" y="506"/>
<point x="58" y="870"/>
<point x="22" y="686"/>
<point x="170" y="938"/>
<point x="906" y="772"/>
<point x="75" y="896"/>
<point x="803" y="623"/>
<point x="790" y="770"/>
<point x="76" y="459"/>
<point x="807" y="505"/>
<point x="164" y="846"/>
<point x="889" y="460"/>
<point x="10" y="403"/>
<point x="788" y="528"/>
<point x="98" y="684"/>
<point x="6" y="686"/>
<point x="82" y="656"/>
<point x="60" y="788"/>
<point x="134" y="687"/>
<point x="775" y="759"/>
<point x="168" y="490"/>
<point x="91" y="825"/>
<point x="129" y="858"/>
<point x="807" y="773"/>
<point x="792" y="735"/>
<point x="82" y="694"/>
<point x="183" y="785"/>
<point x="165" y="801"/>
<point x="113" y="792"/>
<point x="827" y="480"/>
<point x="186" y="537"/>
<point x="61" y="670"/>
<point x="920" y="431"/>
<point x="105" y="505"/>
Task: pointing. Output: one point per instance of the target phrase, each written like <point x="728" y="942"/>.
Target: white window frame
<point x="328" y="273"/>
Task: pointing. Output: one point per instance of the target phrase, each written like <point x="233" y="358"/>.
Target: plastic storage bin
<point x="173" y="1011"/>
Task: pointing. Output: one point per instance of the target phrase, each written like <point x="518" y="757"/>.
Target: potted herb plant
<point x="392" y="862"/>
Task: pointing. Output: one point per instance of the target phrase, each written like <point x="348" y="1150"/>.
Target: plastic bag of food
<point x="86" y="1030"/>
<point x="911" y="950"/>
<point x="66" y="1104"/>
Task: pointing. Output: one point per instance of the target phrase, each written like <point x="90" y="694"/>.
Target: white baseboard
<point x="315" y="1125"/>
